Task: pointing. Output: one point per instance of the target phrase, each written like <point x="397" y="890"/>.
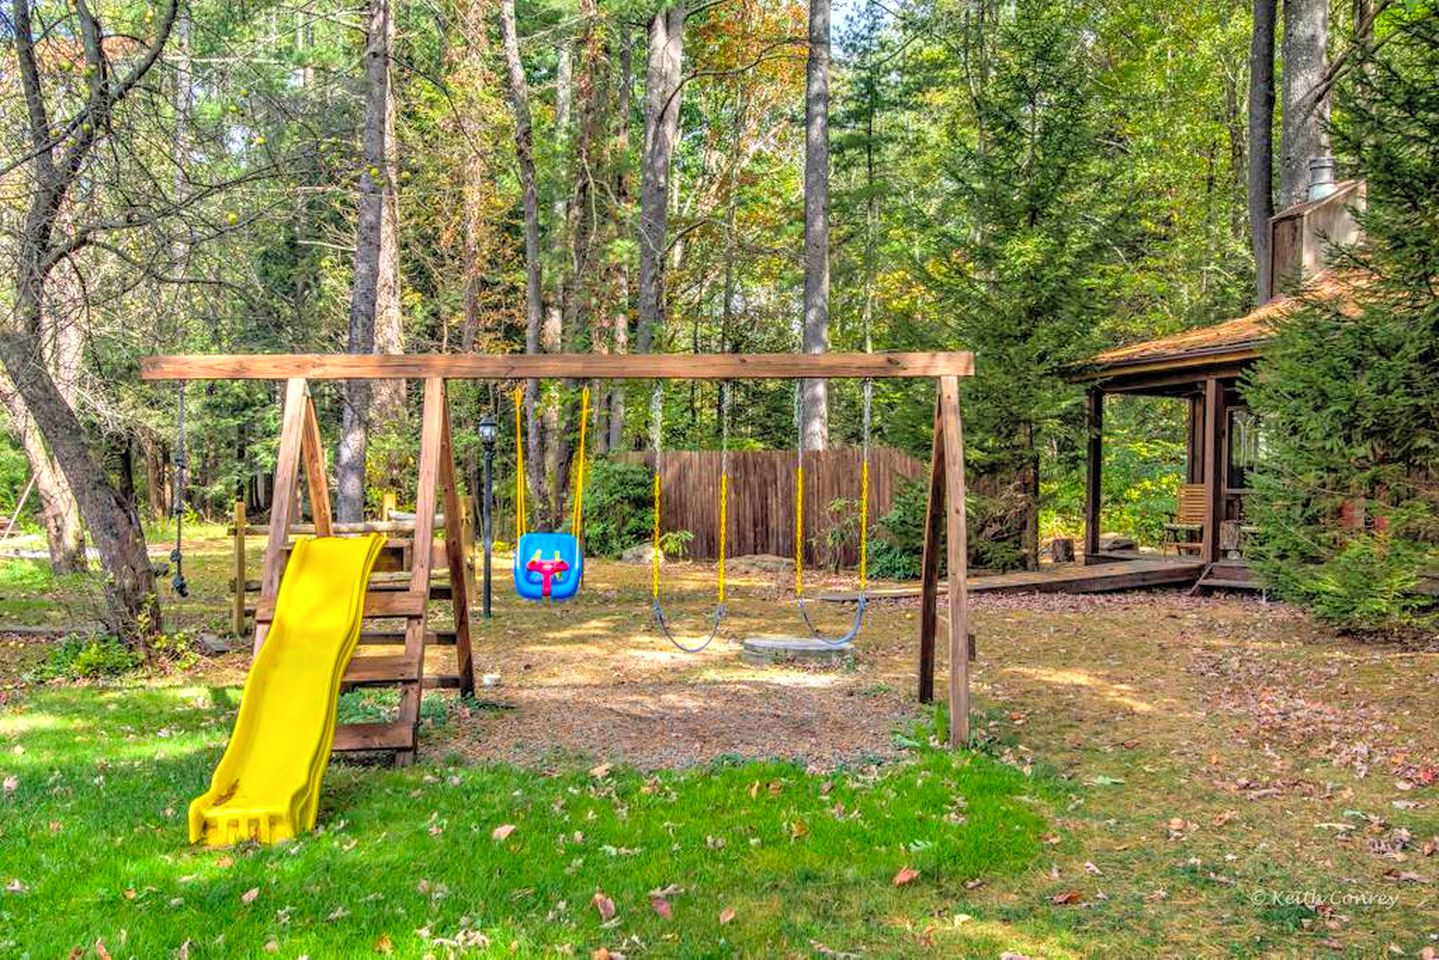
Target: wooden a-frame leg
<point x="957" y="541"/>
<point x="929" y="569"/>
<point x="456" y="556"/>
<point x="312" y="450"/>
<point x="282" y="507"/>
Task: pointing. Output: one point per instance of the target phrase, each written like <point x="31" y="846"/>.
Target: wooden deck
<point x="1070" y="578"/>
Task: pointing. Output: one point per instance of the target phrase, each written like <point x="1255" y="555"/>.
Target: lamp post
<point x="489" y="432"/>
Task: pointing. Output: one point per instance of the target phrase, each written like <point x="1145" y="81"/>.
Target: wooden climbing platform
<point x="1070" y="578"/>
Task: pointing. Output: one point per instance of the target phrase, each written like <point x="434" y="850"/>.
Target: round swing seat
<point x="764" y="651"/>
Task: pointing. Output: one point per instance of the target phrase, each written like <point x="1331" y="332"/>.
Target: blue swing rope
<point x="657" y="404"/>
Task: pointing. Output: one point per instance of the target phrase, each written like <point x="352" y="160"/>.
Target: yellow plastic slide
<point x="267" y="786"/>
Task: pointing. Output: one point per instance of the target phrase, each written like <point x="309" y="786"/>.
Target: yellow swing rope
<point x="863" y="514"/>
<point x="657" y="443"/>
<point x="521" y="511"/>
<point x="577" y="512"/>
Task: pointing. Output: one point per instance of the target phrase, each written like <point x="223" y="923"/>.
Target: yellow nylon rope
<point x="863" y="523"/>
<point x="520" y="509"/>
<point x="577" y="515"/>
<point x="723" y="524"/>
<point x="655" y="558"/>
<point x="799" y="531"/>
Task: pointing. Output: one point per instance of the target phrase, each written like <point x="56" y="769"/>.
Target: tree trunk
<point x="534" y="304"/>
<point x="814" y="428"/>
<point x="620" y="321"/>
<point x="1261" y="145"/>
<point x="1304" y="108"/>
<point x="64" y="534"/>
<point x="132" y="610"/>
<point x="662" y="118"/>
<point x="388" y="403"/>
<point x="355" y="420"/>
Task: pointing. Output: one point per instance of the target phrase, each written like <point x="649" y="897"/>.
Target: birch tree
<point x="662" y="119"/>
<point x="815" y="428"/>
<point x="534" y="290"/>
<point x="1304" y="96"/>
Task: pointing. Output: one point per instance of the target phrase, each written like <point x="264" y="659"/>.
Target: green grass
<point x="94" y="833"/>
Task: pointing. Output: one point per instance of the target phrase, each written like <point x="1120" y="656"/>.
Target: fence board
<point x="761" y="497"/>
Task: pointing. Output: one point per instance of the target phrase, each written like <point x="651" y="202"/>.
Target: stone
<point x="1116" y="541"/>
<point x="759" y="563"/>
<point x="640" y="553"/>
<point x="763" y="651"/>
<point x="212" y="645"/>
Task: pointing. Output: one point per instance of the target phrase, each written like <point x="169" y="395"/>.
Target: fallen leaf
<point x="600" y="772"/>
<point x="272" y="945"/>
<point x="905" y="875"/>
<point x="225" y="861"/>
<point x="1067" y="896"/>
<point x="798" y="831"/>
<point x="1007" y="955"/>
<point x="502" y="831"/>
<point x="662" y="907"/>
<point x="1220" y="819"/>
<point x="100" y="952"/>
<point x="1091" y="868"/>
<point x="249" y="895"/>
<point x="726" y="915"/>
<point x="604" y="905"/>
<point x="12" y="783"/>
<point x="1405" y="876"/>
<point x="974" y="884"/>
<point x="384" y="944"/>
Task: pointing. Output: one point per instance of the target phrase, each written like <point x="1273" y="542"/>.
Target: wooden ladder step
<point x="381" y="670"/>
<point x="374" y="736"/>
<point x="378" y="603"/>
<point x="443" y="637"/>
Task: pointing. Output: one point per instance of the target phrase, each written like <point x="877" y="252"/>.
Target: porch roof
<point x="1229" y="344"/>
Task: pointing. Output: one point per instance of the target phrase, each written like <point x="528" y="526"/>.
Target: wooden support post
<point x="387" y="504"/>
<point x="237" y="613"/>
<point x="1094" y="463"/>
<point x="929" y="567"/>
<point x="282" y="507"/>
<point x="1213" y="467"/>
<point x="459" y="560"/>
<point x="312" y="450"/>
<point x="957" y="561"/>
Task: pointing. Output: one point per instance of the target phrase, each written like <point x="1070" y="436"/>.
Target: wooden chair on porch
<point x="1185" y="532"/>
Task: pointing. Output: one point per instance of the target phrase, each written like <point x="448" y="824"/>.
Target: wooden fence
<point x="761" y="497"/>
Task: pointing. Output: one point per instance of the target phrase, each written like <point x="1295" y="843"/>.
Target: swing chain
<point x="177" y="507"/>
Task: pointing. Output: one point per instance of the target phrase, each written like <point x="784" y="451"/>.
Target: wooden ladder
<point x="402" y="666"/>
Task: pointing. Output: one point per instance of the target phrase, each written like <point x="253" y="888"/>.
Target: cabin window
<point x="1245" y="447"/>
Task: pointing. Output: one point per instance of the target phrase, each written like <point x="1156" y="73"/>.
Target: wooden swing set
<point x="301" y="447"/>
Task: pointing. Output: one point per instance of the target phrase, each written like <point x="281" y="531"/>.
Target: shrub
<point x="897" y="552"/>
<point x="619" y="506"/>
<point x="87" y="657"/>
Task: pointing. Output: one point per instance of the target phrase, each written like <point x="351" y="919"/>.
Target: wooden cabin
<point x="1203" y="367"/>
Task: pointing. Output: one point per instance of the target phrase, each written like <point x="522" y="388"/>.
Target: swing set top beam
<point x="575" y="366"/>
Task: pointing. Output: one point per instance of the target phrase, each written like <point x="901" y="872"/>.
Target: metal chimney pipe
<point x="1321" y="177"/>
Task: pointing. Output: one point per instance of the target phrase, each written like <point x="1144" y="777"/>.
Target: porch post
<point x="1094" y="465"/>
<point x="1213" y="466"/>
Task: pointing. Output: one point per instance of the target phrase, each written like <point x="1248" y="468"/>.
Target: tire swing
<point x="549" y="566"/>
<point x="657" y="405"/>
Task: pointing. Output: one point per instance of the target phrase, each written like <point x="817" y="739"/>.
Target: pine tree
<point x="1349" y="389"/>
